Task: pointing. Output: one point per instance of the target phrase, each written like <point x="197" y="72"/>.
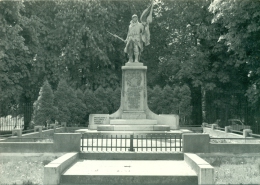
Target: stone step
<point x="126" y="155"/>
<point x="133" y="122"/>
<point x="134" y="172"/>
<point x="133" y="128"/>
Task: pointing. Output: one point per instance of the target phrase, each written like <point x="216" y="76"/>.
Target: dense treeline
<point x="208" y="49"/>
<point x="74" y="106"/>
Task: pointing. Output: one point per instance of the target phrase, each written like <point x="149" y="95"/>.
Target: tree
<point x="82" y="119"/>
<point x="90" y="102"/>
<point x="102" y="101"/>
<point x="62" y="99"/>
<point x="241" y="39"/>
<point x="182" y="103"/>
<point x="23" y="35"/>
<point x="155" y="96"/>
<point x="44" y="110"/>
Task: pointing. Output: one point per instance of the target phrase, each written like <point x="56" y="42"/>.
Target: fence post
<point x="214" y="126"/>
<point x="40" y="130"/>
<point x="54" y="127"/>
<point x="131" y="143"/>
<point x="227" y="129"/>
<point x="247" y="132"/>
<point x="64" y="124"/>
<point x="17" y="132"/>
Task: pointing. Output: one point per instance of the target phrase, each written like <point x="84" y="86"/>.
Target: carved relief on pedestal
<point x="134" y="89"/>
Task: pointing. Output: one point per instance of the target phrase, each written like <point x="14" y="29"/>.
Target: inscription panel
<point x="134" y="90"/>
<point x="99" y="120"/>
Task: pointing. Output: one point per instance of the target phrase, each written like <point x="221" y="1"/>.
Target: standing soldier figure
<point x="138" y="34"/>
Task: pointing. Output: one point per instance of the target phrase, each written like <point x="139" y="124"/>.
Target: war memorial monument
<point x="134" y="113"/>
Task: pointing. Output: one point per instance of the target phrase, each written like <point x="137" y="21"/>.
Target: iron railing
<point x="130" y="142"/>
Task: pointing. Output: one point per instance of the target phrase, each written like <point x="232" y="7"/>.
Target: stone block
<point x="67" y="142"/>
<point x="133" y="128"/>
<point x="105" y="128"/>
<point x="64" y="124"/>
<point x="196" y="143"/>
<point x="97" y="119"/>
<point x="52" y="174"/>
<point x="214" y="126"/>
<point x="203" y="169"/>
<point x="227" y="129"/>
<point x="17" y="132"/>
<point x="53" y="126"/>
<point x="54" y="169"/>
<point x="206" y="175"/>
<point x="133" y="115"/>
<point x="133" y="64"/>
<point x="204" y="124"/>
<point x="133" y="122"/>
<point x="171" y="120"/>
<point x="161" y="128"/>
<point x="247" y="132"/>
<point x="39" y="129"/>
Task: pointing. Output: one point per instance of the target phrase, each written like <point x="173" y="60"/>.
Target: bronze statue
<point x="138" y="34"/>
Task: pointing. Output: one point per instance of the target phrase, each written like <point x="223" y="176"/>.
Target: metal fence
<point x="137" y="142"/>
<point x="13" y="118"/>
<point x="9" y="123"/>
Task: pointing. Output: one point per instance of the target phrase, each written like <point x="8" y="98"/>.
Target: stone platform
<point x="133" y="128"/>
<point x="139" y="132"/>
<point x="130" y="172"/>
<point x="133" y="125"/>
<point x="133" y="122"/>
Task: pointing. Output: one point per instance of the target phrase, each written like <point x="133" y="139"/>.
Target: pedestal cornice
<point x="134" y="67"/>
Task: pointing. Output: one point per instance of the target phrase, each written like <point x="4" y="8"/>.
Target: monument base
<point x="133" y="113"/>
<point x="133" y="128"/>
<point x="133" y="122"/>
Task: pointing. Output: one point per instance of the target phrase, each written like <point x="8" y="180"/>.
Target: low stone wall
<point x="234" y="148"/>
<point x="73" y="129"/>
<point x="193" y="129"/>
<point x="203" y="169"/>
<point x="220" y="133"/>
<point x="54" y="169"/>
<point x="45" y="134"/>
<point x="63" y="142"/>
<point x="25" y="147"/>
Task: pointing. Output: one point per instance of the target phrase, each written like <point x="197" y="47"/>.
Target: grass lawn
<point x="18" y="168"/>
<point x="235" y="168"/>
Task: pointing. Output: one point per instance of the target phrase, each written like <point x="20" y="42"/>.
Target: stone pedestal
<point x="134" y="114"/>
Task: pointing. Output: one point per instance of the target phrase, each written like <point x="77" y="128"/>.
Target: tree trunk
<point x="196" y="102"/>
<point x="27" y="112"/>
